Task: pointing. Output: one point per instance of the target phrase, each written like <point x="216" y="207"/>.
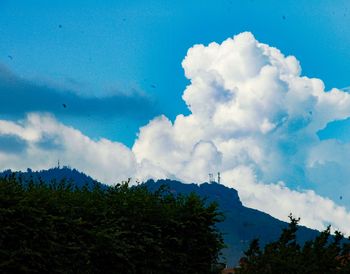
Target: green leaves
<point x="56" y="228"/>
<point x="325" y="254"/>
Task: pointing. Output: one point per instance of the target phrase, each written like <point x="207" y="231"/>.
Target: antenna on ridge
<point x="211" y="178"/>
<point x="219" y="177"/>
<point x="58" y="163"/>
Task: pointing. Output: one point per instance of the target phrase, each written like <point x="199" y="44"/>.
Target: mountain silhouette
<point x="240" y="226"/>
<point x="57" y="174"/>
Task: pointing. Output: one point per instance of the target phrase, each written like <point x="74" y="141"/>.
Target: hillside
<point x="54" y="228"/>
<point x="57" y="174"/>
<point x="241" y="224"/>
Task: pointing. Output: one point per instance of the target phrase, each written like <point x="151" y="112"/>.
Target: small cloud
<point x="346" y="89"/>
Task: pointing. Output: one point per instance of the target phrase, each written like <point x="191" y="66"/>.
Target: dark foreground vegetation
<point x="239" y="227"/>
<point x="66" y="228"/>
<point x="326" y="254"/>
<point x="56" y="228"/>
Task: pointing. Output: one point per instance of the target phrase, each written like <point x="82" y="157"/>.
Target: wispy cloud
<point x="19" y="96"/>
<point x="346" y="89"/>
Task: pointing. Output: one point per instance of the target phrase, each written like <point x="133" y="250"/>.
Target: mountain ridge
<point x="240" y="226"/>
<point x="57" y="174"/>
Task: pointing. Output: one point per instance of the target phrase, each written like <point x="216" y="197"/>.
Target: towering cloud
<point x="254" y="118"/>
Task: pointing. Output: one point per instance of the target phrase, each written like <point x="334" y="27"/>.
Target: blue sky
<point x="136" y="47"/>
<point x="80" y="81"/>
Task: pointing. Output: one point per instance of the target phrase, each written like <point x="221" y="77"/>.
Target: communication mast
<point x="219" y="177"/>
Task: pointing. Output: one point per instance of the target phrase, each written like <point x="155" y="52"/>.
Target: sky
<point x="256" y="90"/>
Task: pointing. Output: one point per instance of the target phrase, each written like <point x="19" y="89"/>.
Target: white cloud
<point x="346" y="89"/>
<point x="254" y="111"/>
<point x="48" y="141"/>
<point x="279" y="200"/>
<point x="253" y="117"/>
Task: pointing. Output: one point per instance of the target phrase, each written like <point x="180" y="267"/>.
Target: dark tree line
<point x="56" y="228"/>
<point x="326" y="254"/>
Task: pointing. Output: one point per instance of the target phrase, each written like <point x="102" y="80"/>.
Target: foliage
<point x="56" y="228"/>
<point x="325" y="254"/>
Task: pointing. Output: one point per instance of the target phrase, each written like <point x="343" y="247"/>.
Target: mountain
<point x="57" y="174"/>
<point x="241" y="224"/>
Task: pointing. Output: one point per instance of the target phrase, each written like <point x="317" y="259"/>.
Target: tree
<point x="325" y="254"/>
<point x="58" y="228"/>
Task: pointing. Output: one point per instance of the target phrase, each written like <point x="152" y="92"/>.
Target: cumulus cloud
<point x="277" y="199"/>
<point x="252" y="110"/>
<point x="253" y="117"/>
<point x="45" y="141"/>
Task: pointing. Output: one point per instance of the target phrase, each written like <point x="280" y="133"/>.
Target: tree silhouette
<point x="327" y="253"/>
<point x="58" y="228"/>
